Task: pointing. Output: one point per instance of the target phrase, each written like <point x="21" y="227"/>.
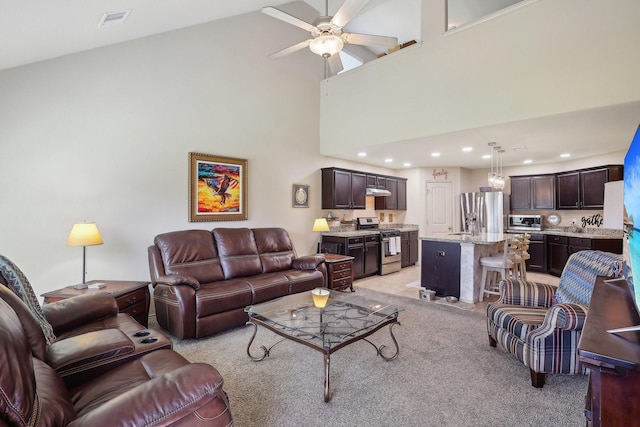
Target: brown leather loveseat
<point x="203" y="280"/>
<point x="159" y="388"/>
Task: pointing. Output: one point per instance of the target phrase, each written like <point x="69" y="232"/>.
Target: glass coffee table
<point x="345" y="319"/>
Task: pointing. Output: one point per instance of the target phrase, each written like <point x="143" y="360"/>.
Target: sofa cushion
<point x="190" y="252"/>
<point x="238" y="252"/>
<point x="275" y="249"/>
<point x="268" y="286"/>
<point x="517" y="320"/>
<point x="222" y="296"/>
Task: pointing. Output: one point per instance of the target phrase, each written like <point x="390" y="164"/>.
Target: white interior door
<point x="439" y="207"/>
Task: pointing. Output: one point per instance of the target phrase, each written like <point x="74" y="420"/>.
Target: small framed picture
<point x="300" y="196"/>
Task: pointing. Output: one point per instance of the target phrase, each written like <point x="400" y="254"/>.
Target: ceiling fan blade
<point x="370" y="40"/>
<point x="348" y="10"/>
<point x="286" y="51"/>
<point x="289" y="19"/>
<point x="335" y="63"/>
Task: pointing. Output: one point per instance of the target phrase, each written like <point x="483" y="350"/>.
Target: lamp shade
<point x="84" y="234"/>
<point x="320" y="224"/>
<point x="326" y="45"/>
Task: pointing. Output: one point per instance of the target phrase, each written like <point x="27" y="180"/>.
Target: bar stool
<point x="505" y="264"/>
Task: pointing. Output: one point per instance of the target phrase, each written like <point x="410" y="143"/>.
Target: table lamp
<point x="84" y="234"/>
<point x="320" y="224"/>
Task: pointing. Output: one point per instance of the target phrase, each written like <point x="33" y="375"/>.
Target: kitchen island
<point x="450" y="263"/>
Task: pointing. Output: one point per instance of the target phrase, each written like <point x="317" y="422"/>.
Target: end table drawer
<point x="342" y="266"/>
<point x="341" y="274"/>
<point x="130" y="299"/>
<point x="136" y="310"/>
<point x="339" y="284"/>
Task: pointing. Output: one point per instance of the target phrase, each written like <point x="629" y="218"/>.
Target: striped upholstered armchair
<point x="541" y="324"/>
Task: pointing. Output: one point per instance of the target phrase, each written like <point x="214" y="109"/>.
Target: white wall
<point x="104" y="136"/>
<point x="540" y="59"/>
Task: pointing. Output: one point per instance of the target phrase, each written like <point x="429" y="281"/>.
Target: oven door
<point x="389" y="249"/>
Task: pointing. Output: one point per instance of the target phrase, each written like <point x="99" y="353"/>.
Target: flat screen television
<point x="631" y="240"/>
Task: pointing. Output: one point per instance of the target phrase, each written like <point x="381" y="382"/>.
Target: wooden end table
<point x="340" y="271"/>
<point x="133" y="298"/>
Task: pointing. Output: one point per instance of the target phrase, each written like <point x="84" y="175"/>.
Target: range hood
<point x="377" y="192"/>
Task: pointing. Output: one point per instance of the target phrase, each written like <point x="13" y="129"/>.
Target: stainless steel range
<point x="390" y="256"/>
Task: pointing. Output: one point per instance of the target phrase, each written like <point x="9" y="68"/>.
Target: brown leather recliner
<point x="160" y="388"/>
<point x="204" y="280"/>
<point x="93" y="340"/>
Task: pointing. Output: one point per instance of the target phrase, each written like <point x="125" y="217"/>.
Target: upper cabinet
<point x="346" y="189"/>
<point x="533" y="192"/>
<point x="579" y="189"/>
<point x="584" y="189"/>
<point x="343" y="189"/>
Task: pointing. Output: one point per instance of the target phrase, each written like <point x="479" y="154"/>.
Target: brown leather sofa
<point x="160" y="388"/>
<point x="204" y="280"/>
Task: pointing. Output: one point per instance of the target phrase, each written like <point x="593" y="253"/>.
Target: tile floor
<point x="396" y="283"/>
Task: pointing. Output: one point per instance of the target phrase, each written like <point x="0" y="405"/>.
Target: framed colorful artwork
<point x="300" y="196"/>
<point x="217" y="188"/>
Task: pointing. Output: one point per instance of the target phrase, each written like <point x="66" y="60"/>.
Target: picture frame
<point x="300" y="196"/>
<point x="217" y="188"/>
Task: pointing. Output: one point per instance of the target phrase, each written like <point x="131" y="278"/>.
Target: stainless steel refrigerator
<point x="484" y="211"/>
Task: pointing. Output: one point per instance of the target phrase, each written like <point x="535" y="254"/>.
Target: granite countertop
<point x="587" y="233"/>
<point x="479" y="239"/>
<point x="350" y="231"/>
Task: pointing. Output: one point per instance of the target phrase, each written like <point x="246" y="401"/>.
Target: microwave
<point x="525" y="222"/>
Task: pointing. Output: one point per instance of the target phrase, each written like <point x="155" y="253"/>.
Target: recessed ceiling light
<point x="406" y="165"/>
<point x="486" y="156"/>
<point x="362" y="154"/>
<point x="435" y="154"/>
<point x="565" y="155"/>
<point x="388" y="160"/>
<point x="526" y="162"/>
<point x="467" y="149"/>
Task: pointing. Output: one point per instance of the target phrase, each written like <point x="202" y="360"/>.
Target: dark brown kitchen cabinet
<point x="584" y="189"/>
<point x="402" y="195"/>
<point x="538" y="252"/>
<point x="408" y="248"/>
<point x="364" y="249"/>
<point x="560" y="248"/>
<point x="557" y="254"/>
<point x="398" y="198"/>
<point x="533" y="192"/>
<point x="440" y="267"/>
<point x="388" y="202"/>
<point x="343" y="189"/>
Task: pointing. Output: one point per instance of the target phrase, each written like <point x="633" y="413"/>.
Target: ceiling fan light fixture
<point x="326" y="45"/>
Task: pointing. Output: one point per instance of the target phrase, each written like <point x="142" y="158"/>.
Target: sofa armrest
<point x="88" y="350"/>
<point x="166" y="399"/>
<point x="308" y="262"/>
<point x="526" y="293"/>
<point x="570" y="317"/>
<point x="178" y="279"/>
<point x="79" y="310"/>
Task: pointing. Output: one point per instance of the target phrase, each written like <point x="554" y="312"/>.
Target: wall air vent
<point x="112" y="18"/>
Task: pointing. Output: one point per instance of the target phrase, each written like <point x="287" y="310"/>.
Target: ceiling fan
<point x="327" y="38"/>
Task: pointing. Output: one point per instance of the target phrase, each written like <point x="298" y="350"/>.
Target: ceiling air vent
<point x="112" y="18"/>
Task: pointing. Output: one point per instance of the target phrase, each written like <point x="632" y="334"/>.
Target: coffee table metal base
<point x="326" y="351"/>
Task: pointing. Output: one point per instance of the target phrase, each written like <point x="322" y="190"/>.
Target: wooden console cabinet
<point x="613" y="397"/>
